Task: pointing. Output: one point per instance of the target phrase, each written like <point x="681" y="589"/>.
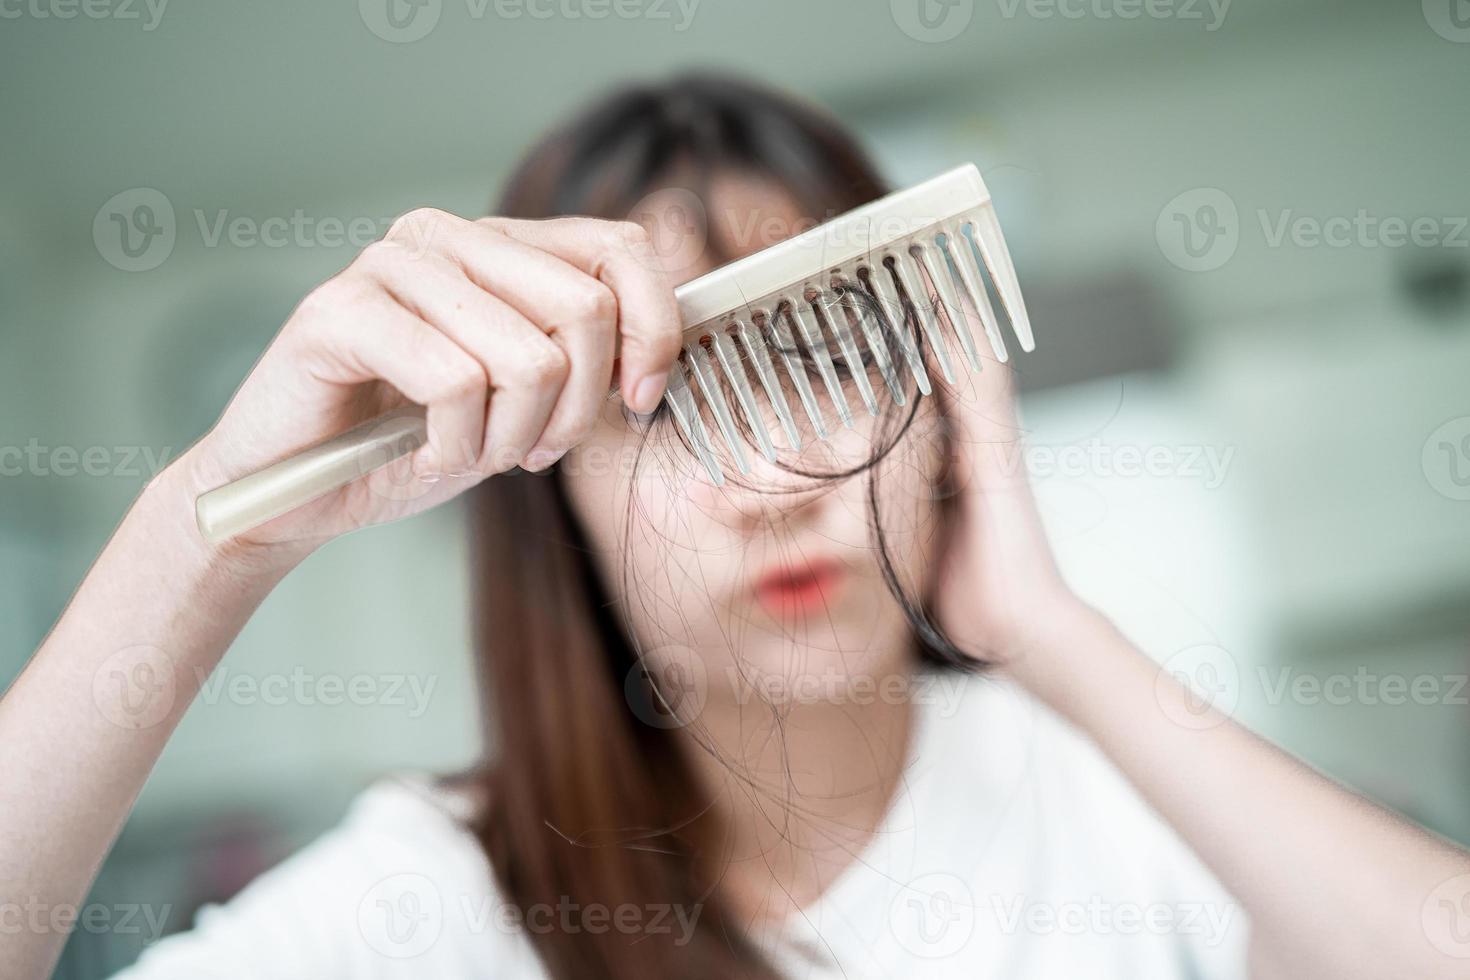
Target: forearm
<point x="1331" y="881"/>
<point x="84" y="723"/>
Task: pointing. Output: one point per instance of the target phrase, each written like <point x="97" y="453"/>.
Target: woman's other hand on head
<point x="998" y="592"/>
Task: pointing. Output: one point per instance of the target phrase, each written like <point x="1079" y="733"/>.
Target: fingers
<point x="384" y="341"/>
<point x="982" y="405"/>
<point x="575" y="310"/>
<point x="507" y="331"/>
<point x="525" y="370"/>
<point x="620" y="255"/>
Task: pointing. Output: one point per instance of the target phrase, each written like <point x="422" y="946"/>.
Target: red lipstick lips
<point x="799" y="589"/>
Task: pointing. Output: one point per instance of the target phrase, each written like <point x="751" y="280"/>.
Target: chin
<point x="804" y="656"/>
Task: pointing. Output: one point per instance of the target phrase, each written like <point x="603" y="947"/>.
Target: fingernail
<point x="647" y="392"/>
<point x="425" y="464"/>
<point x="541" y="458"/>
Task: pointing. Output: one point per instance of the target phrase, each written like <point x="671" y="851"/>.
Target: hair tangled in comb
<point x="582" y="799"/>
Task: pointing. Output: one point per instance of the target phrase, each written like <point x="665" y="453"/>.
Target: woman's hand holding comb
<point x="456" y="316"/>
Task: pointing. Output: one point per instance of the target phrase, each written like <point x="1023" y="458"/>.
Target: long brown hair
<point x="585" y="803"/>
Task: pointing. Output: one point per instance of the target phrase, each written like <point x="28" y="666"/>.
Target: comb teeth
<point x="825" y="281"/>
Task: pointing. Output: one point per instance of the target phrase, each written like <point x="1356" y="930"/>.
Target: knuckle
<point x="574" y="430"/>
<point x="632" y="234"/>
<point x="416" y="222"/>
<point x="419" y="349"/>
<point x="379" y="255"/>
<point x="544" y="364"/>
<point x="573" y="224"/>
<point x="655" y="347"/>
<point x="328" y="300"/>
<point x="464" y="379"/>
<point x="594" y="303"/>
<point x="320" y="301"/>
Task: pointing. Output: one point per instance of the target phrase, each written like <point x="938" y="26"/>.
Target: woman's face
<point x="770" y="585"/>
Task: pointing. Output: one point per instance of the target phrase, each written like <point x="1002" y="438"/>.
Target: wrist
<point x="169" y="501"/>
<point x="1060" y="650"/>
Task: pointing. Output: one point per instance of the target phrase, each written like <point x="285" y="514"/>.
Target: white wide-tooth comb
<point x="749" y="325"/>
<point x="801" y="296"/>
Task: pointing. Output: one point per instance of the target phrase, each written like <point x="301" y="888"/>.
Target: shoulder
<point x="398" y="887"/>
<point x="413" y="819"/>
<point x="395" y="831"/>
<point x="1004" y="741"/>
<point x="1013" y="749"/>
<point x="1071" y="837"/>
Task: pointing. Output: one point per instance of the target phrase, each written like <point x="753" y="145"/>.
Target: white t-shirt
<point x="1012" y="850"/>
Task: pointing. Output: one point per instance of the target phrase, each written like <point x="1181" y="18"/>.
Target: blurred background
<point x="1242" y="228"/>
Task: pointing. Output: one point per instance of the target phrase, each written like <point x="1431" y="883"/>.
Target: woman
<point x="734" y="731"/>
